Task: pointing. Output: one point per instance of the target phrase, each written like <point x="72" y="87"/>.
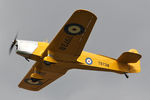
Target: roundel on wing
<point x="74" y="29"/>
<point x="29" y="81"/>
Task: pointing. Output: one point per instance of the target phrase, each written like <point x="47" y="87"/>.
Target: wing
<point x="70" y="41"/>
<point x="49" y="74"/>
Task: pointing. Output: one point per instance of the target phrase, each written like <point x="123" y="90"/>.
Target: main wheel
<point x="33" y="81"/>
<point x="47" y="63"/>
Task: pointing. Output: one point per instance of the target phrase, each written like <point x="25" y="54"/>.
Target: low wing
<point x="70" y="41"/>
<point x="49" y="74"/>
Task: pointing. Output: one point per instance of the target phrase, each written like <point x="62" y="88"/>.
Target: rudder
<point x="135" y="67"/>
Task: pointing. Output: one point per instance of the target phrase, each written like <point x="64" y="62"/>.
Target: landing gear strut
<point x="126" y="75"/>
<point x="27" y="59"/>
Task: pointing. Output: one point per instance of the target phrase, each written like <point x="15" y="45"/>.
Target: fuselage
<point x="36" y="51"/>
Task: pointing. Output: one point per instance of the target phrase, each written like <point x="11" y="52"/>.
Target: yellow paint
<point x="135" y="67"/>
<point x="49" y="59"/>
<point x="38" y="53"/>
<point x="36" y="75"/>
<point x="66" y="52"/>
<point x="100" y="62"/>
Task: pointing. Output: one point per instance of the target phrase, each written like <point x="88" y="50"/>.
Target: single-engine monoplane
<point x="65" y="52"/>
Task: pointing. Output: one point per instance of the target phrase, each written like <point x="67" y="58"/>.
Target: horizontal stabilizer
<point x="129" y="57"/>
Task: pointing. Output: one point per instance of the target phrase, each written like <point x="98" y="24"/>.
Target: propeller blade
<point x="13" y="43"/>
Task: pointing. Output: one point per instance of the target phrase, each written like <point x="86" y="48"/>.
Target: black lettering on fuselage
<point x="103" y="64"/>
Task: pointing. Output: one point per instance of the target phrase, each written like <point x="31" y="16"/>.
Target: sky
<point x="121" y="25"/>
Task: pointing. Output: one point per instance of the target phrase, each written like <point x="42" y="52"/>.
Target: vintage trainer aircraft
<point x="65" y="52"/>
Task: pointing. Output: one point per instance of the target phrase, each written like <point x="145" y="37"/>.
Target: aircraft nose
<point x="26" y="48"/>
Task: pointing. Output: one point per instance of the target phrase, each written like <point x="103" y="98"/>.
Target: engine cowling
<point x="26" y="48"/>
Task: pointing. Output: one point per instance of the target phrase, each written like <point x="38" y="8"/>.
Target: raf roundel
<point x="74" y="29"/>
<point x="88" y="61"/>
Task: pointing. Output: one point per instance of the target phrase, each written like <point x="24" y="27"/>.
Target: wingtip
<point x="87" y="11"/>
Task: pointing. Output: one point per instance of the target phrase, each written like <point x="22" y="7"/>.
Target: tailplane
<point x="133" y="59"/>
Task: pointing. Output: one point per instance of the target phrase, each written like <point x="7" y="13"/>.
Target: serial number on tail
<point x="103" y="64"/>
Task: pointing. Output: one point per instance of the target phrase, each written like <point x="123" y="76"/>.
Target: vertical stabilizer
<point x="135" y="67"/>
<point x="132" y="58"/>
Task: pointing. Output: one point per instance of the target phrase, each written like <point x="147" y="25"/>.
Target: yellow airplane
<point x="65" y="52"/>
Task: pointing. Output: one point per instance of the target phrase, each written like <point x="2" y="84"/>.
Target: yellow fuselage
<point x="96" y="62"/>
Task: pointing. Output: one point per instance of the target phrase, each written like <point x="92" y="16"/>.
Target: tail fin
<point x="133" y="59"/>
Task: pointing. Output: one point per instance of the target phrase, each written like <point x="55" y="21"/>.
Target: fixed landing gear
<point x="33" y="81"/>
<point x="126" y="75"/>
<point x="27" y="59"/>
<point x="47" y="63"/>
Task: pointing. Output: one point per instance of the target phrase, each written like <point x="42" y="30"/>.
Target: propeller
<point x="13" y="44"/>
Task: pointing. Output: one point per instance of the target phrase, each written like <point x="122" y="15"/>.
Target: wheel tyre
<point x="33" y="81"/>
<point x="47" y="63"/>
